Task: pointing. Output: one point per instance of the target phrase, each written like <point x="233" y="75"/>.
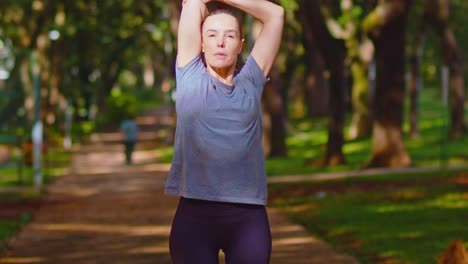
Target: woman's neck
<point x="224" y="75"/>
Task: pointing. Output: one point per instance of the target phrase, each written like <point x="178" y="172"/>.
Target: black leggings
<point x="201" y="228"/>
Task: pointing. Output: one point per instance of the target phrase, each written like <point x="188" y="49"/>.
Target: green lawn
<point x="53" y="165"/>
<point x="7" y="229"/>
<point x="17" y="209"/>
<point x="393" y="218"/>
<point x="307" y="144"/>
<point x="382" y="219"/>
<point x="23" y="202"/>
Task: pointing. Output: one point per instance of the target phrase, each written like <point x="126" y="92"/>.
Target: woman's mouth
<point x="220" y="54"/>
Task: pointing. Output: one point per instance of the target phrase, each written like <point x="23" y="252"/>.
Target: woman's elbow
<point x="277" y="17"/>
<point x="279" y="13"/>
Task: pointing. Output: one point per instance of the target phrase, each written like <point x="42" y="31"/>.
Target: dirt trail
<point x="105" y="212"/>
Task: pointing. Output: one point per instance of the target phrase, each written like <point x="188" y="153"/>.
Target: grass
<point x="7" y="229"/>
<point x="307" y="145"/>
<point x="17" y="210"/>
<point x="382" y="219"/>
<point x="55" y="162"/>
<point x="19" y="205"/>
<point x="391" y="218"/>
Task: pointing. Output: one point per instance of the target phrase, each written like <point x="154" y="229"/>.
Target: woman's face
<point x="221" y="41"/>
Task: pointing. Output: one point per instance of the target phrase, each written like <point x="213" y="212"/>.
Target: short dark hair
<point x="216" y="8"/>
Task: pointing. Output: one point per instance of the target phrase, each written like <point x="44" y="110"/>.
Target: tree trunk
<point x="111" y="68"/>
<point x="361" y="120"/>
<point x="274" y="107"/>
<point x="337" y="110"/>
<point x="388" y="149"/>
<point x="316" y="94"/>
<point x="360" y="52"/>
<point x="415" y="77"/>
<point x="334" y="54"/>
<point x="457" y="97"/>
<point x="438" y="12"/>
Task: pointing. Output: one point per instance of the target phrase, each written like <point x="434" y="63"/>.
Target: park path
<point x="102" y="211"/>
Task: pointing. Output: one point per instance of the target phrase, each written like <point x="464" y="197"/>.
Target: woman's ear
<point x="241" y="46"/>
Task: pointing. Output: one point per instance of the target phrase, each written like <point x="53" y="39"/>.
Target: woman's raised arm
<point x="189" y="32"/>
<point x="269" y="39"/>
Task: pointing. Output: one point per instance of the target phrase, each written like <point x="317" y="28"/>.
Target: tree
<point x="273" y="104"/>
<point x="334" y="53"/>
<point x="436" y="15"/>
<point x="359" y="52"/>
<point x="386" y="24"/>
<point x="316" y="93"/>
<point x="415" y="81"/>
<point x="24" y="23"/>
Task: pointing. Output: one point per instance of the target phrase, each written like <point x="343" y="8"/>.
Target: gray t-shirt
<point x="218" y="153"/>
<point x="130" y="130"/>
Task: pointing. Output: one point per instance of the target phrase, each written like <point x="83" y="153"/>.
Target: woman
<point x="218" y="165"/>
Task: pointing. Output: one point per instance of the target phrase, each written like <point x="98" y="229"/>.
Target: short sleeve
<point x="191" y="69"/>
<point x="252" y="72"/>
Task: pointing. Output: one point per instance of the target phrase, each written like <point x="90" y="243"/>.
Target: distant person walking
<point x="129" y="129"/>
<point x="218" y="166"/>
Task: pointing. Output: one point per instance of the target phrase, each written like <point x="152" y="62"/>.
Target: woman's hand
<point x="268" y="41"/>
<point x="204" y="1"/>
<point x="207" y="1"/>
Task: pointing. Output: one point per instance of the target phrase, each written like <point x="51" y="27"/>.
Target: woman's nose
<point x="220" y="42"/>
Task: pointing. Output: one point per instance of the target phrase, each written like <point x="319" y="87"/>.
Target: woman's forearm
<point x="262" y="10"/>
<point x="189" y="35"/>
<point x="268" y="41"/>
<point x="193" y="12"/>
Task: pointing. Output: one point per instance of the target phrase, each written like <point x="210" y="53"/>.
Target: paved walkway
<point x="362" y="173"/>
<point x="106" y="212"/>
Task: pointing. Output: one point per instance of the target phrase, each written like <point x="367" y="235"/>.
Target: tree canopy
<point x="337" y="57"/>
